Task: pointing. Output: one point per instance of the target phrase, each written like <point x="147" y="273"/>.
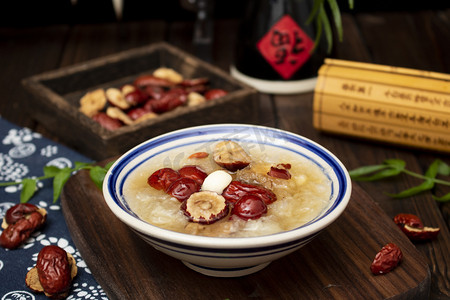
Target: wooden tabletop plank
<point x="88" y="42"/>
<point x="401" y="40"/>
<point x="352" y="39"/>
<point x="25" y="52"/>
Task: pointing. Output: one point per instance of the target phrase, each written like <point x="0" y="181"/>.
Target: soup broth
<point x="299" y="199"/>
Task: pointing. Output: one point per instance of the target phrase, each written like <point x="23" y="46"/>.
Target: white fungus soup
<point x="230" y="190"/>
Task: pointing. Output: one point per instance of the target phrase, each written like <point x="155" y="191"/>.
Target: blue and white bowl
<point x="227" y="257"/>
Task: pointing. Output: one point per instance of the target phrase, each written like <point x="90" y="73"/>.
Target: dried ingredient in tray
<point x="146" y="98"/>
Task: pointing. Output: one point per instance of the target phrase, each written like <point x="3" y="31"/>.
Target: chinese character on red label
<point x="286" y="47"/>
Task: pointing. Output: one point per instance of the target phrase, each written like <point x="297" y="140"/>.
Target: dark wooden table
<point x="417" y="39"/>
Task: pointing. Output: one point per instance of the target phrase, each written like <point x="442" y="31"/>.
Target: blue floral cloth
<point x="24" y="154"/>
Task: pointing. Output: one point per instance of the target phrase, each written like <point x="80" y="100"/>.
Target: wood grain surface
<point x="334" y="265"/>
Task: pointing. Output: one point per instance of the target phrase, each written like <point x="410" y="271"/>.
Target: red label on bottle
<point x="286" y="47"/>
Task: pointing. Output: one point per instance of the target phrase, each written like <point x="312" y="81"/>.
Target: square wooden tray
<point x="56" y="95"/>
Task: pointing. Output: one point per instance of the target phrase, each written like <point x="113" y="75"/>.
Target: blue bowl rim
<point x="216" y="242"/>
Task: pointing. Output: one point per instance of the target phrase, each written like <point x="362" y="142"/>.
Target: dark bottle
<point x="275" y="43"/>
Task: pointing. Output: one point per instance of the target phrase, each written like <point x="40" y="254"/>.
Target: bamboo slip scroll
<point x="383" y="103"/>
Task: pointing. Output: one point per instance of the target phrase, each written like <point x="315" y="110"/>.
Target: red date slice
<point x="154" y="92"/>
<point x="249" y="207"/>
<point x="136" y="113"/>
<point x="197" y="85"/>
<point x="236" y="190"/>
<point x="106" y="121"/>
<point x="284" y="166"/>
<point x="146" y="80"/>
<point x="194" y="82"/>
<point x="408" y="219"/>
<point x="201" y="89"/>
<point x="215" y="93"/>
<point x="205" y="207"/>
<point x="148" y="105"/>
<point x="420" y="234"/>
<point x="136" y="97"/>
<point x="193" y="172"/>
<point x="198" y="155"/>
<point x="231" y="156"/>
<point x="412" y="226"/>
<point x="168" y="101"/>
<point x="279" y="173"/>
<point x="183" y="188"/>
<point x="163" y="178"/>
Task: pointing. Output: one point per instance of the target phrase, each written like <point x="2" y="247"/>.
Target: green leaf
<point x="443" y="169"/>
<point x="59" y="181"/>
<point x="10" y="183"/>
<point x="381" y="175"/>
<point x="396" y="163"/>
<point x="51" y="171"/>
<point x="334" y="7"/>
<point x="315" y="9"/>
<point x="426" y="185"/>
<point x="327" y="28"/>
<point x="433" y="169"/>
<point x="351" y="4"/>
<point x="389" y="168"/>
<point x="109" y="165"/>
<point x="82" y="165"/>
<point x="97" y="175"/>
<point x="392" y="167"/>
<point x="445" y="198"/>
<point x="28" y="189"/>
<point x="319" y="14"/>
<point x="318" y="34"/>
<point x="60" y="177"/>
<point x="354" y="174"/>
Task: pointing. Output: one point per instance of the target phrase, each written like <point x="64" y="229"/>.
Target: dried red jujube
<point x="182" y="188"/>
<point x="236" y="190"/>
<point x="249" y="207"/>
<point x="386" y="259"/>
<point x="193" y="172"/>
<point x="161" y="179"/>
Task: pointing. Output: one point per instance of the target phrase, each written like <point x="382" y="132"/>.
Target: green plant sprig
<point x="394" y="167"/>
<point x="60" y="177"/>
<point x="323" y="24"/>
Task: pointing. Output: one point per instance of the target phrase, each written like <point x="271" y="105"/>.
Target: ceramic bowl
<point x="228" y="257"/>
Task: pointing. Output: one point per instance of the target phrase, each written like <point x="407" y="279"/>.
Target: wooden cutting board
<point x="334" y="265"/>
